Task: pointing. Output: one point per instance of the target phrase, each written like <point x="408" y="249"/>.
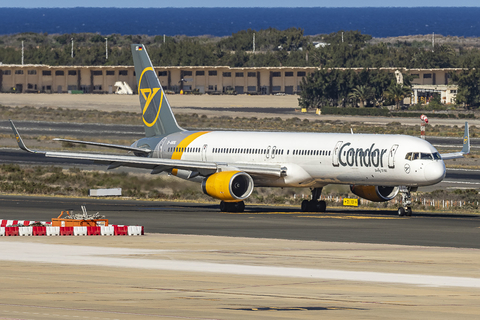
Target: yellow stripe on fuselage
<point x="180" y="148"/>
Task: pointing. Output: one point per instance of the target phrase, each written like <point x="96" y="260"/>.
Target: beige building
<point x="265" y="80"/>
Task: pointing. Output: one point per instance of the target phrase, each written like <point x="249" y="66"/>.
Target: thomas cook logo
<point x="150" y="110"/>
<point x="465" y="140"/>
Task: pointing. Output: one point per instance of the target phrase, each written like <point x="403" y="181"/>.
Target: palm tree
<point x="398" y="92"/>
<point x="362" y="94"/>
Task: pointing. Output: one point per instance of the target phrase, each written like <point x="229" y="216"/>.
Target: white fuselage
<point x="313" y="159"/>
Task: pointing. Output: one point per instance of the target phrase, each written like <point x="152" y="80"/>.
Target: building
<point x="263" y="80"/>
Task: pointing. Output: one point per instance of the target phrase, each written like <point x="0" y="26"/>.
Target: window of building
<point x="239" y="74"/>
<point x="453" y="91"/>
<point x="427" y="76"/>
<point x="251" y="88"/>
<point x="187" y="73"/>
<point x="212" y="72"/>
<point x="98" y="88"/>
<point x="32" y="71"/>
<point x="97" y="72"/>
<point x="227" y="74"/>
<point x="200" y="73"/>
<point x="276" y="88"/>
<point x="276" y="74"/>
<point x="252" y="74"/>
<point x="301" y="74"/>
<point x="210" y="87"/>
<point x="59" y="73"/>
<point x="289" y="74"/>
<point x="123" y="72"/>
<point x="46" y="73"/>
<point x="162" y="73"/>
<point x="7" y="72"/>
<point x="72" y="72"/>
<point x="18" y="71"/>
<point x="110" y="73"/>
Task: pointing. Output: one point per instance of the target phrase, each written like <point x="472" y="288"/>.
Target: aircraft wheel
<point x="239" y="206"/>
<point x="223" y="206"/>
<point x="305" y="206"/>
<point x="401" y="211"/>
<point x="321" y="206"/>
<point x="408" y="212"/>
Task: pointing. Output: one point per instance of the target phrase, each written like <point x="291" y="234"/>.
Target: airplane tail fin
<point x="157" y="115"/>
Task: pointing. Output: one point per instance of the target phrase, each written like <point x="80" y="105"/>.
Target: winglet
<point x="21" y="145"/>
<point x="466" y="140"/>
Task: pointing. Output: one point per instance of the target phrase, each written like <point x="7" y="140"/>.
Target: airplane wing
<point x="465" y="150"/>
<point x="157" y="165"/>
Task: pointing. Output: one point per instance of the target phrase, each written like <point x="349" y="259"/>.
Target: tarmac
<point x="166" y="276"/>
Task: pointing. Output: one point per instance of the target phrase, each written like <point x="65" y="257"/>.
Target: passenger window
<point x="408" y="156"/>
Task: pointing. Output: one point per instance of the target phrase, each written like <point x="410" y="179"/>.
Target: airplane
<point x="229" y="164"/>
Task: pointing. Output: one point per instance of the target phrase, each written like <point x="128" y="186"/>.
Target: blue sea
<point x="378" y="22"/>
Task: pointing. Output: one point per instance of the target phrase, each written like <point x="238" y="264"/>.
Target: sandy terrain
<point x="233" y="106"/>
<point x="162" y="276"/>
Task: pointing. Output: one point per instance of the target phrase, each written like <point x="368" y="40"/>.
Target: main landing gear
<point x="405" y="209"/>
<point x="314" y="205"/>
<point x="232" y="206"/>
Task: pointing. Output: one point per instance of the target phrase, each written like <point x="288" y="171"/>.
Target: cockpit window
<point x="426" y="156"/>
<point x="437" y="156"/>
<point x="416" y="156"/>
<point x="408" y="156"/>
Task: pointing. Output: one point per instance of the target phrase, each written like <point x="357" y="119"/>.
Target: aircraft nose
<point x="435" y="172"/>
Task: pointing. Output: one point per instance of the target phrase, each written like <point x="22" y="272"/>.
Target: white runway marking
<point x="126" y="258"/>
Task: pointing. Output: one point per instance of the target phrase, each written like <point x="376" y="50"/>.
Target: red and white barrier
<point x="4" y="223"/>
<point x="117" y="230"/>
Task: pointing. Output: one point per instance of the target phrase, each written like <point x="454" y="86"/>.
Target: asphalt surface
<point x="135" y="132"/>
<point x="341" y="225"/>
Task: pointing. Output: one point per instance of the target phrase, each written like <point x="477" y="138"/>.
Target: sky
<point x="243" y="3"/>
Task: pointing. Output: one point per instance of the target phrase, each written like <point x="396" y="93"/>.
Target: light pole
<point x="72" y="48"/>
<point x="106" y="48"/>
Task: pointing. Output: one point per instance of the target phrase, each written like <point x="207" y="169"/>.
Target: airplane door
<point x="336" y="153"/>
<point x="274" y="149"/>
<point x="160" y="148"/>
<point x="267" y="155"/>
<point x="391" y="156"/>
<point x="204" y="152"/>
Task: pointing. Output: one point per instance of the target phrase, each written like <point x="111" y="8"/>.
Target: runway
<point x="134" y="132"/>
<point x="273" y="222"/>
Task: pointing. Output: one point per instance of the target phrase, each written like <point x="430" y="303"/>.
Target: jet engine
<point x="228" y="185"/>
<point x="375" y="193"/>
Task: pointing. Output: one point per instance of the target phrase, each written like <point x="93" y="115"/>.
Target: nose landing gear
<point x="406" y="209"/>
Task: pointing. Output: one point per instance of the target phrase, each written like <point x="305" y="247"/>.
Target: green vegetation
<point x="273" y="48"/>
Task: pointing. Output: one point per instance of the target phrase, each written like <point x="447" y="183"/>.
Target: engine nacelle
<point x="228" y="185"/>
<point x="375" y="193"/>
